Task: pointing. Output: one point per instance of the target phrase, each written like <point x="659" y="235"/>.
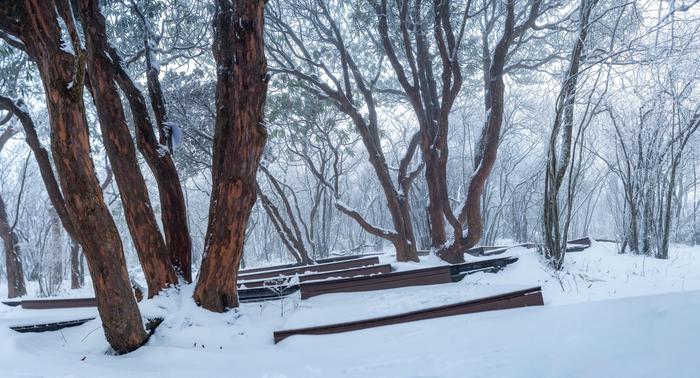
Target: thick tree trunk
<point x="238" y="144"/>
<point x="62" y="75"/>
<point x="174" y="212"/>
<point x="435" y="208"/>
<point x="121" y="152"/>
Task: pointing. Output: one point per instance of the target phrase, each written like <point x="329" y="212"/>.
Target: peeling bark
<point x="62" y="74"/>
<point x="121" y="152"/>
<point x="239" y="139"/>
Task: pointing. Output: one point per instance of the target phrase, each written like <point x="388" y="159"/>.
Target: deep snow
<point x="605" y="316"/>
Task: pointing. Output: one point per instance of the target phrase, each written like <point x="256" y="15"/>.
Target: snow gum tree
<point x="121" y="152"/>
<point x="239" y="139"/>
<point x="50" y="38"/>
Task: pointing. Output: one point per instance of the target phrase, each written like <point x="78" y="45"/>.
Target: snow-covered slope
<point x="599" y="321"/>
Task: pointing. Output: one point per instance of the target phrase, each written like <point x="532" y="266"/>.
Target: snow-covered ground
<point x="606" y="315"/>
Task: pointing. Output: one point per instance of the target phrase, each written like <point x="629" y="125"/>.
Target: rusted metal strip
<point x="520" y="298"/>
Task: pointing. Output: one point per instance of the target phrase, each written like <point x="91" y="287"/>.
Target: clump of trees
<point x="156" y="125"/>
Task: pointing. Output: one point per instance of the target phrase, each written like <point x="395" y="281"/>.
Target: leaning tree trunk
<point x="61" y="71"/>
<point x="160" y="161"/>
<point x="13" y="253"/>
<point x="121" y="152"/>
<point x="554" y="234"/>
<point x="172" y="200"/>
<point x="13" y="256"/>
<point x="239" y="139"/>
<point x="18" y="109"/>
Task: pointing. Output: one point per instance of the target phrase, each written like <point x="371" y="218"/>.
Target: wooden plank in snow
<point x="521" y="298"/>
<point x="347" y="264"/>
<point x="45" y="327"/>
<point x="345" y="273"/>
<point x="416" y="277"/>
<point x="46" y="304"/>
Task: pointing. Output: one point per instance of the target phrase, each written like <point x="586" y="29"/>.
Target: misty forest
<point x="274" y="187"/>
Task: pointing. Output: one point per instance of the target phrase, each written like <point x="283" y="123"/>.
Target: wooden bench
<point x="347" y="264"/>
<point x="425" y="276"/>
<point x="46" y="304"/>
<point x="492" y="265"/>
<point x="244" y="295"/>
<point x="259" y="294"/>
<point x="295" y="265"/>
<point x="579" y="245"/>
<point x="581" y="241"/>
<point x="521" y="298"/>
<point x="345" y="273"/>
<point x="50" y="326"/>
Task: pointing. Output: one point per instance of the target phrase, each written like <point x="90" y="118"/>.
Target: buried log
<point x="516" y="299"/>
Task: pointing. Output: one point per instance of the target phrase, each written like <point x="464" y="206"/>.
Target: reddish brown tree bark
<point x="121" y="152"/>
<point x="487" y="146"/>
<point x="239" y="139"/>
<point x="13" y="252"/>
<point x="62" y="74"/>
<point x="160" y="161"/>
<point x="173" y="207"/>
<point x="432" y="100"/>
